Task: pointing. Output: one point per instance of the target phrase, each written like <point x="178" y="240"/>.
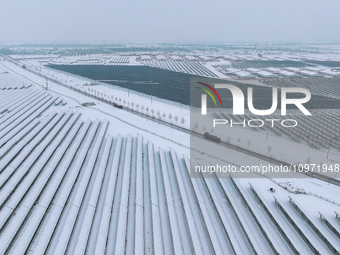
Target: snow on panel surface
<point x="71" y="185"/>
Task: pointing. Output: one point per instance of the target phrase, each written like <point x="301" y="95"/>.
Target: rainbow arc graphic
<point x="209" y="93"/>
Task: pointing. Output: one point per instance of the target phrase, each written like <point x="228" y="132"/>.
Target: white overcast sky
<point x="159" y="20"/>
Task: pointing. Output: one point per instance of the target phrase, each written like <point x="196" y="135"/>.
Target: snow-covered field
<point x="222" y="63"/>
<point x="98" y="179"/>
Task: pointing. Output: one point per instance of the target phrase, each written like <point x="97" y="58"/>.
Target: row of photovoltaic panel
<point x="319" y="86"/>
<point x="185" y="67"/>
<point x="10" y="81"/>
<point x="69" y="186"/>
<point x="320" y="130"/>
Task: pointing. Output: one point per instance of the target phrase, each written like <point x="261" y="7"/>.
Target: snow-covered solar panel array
<point x="119" y="60"/>
<point x="321" y="130"/>
<point x="189" y="67"/>
<point x="2" y="70"/>
<point x="70" y="185"/>
<point x="329" y="87"/>
<point x="9" y="81"/>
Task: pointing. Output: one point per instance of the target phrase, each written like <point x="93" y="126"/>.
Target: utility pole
<point x="327" y="152"/>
